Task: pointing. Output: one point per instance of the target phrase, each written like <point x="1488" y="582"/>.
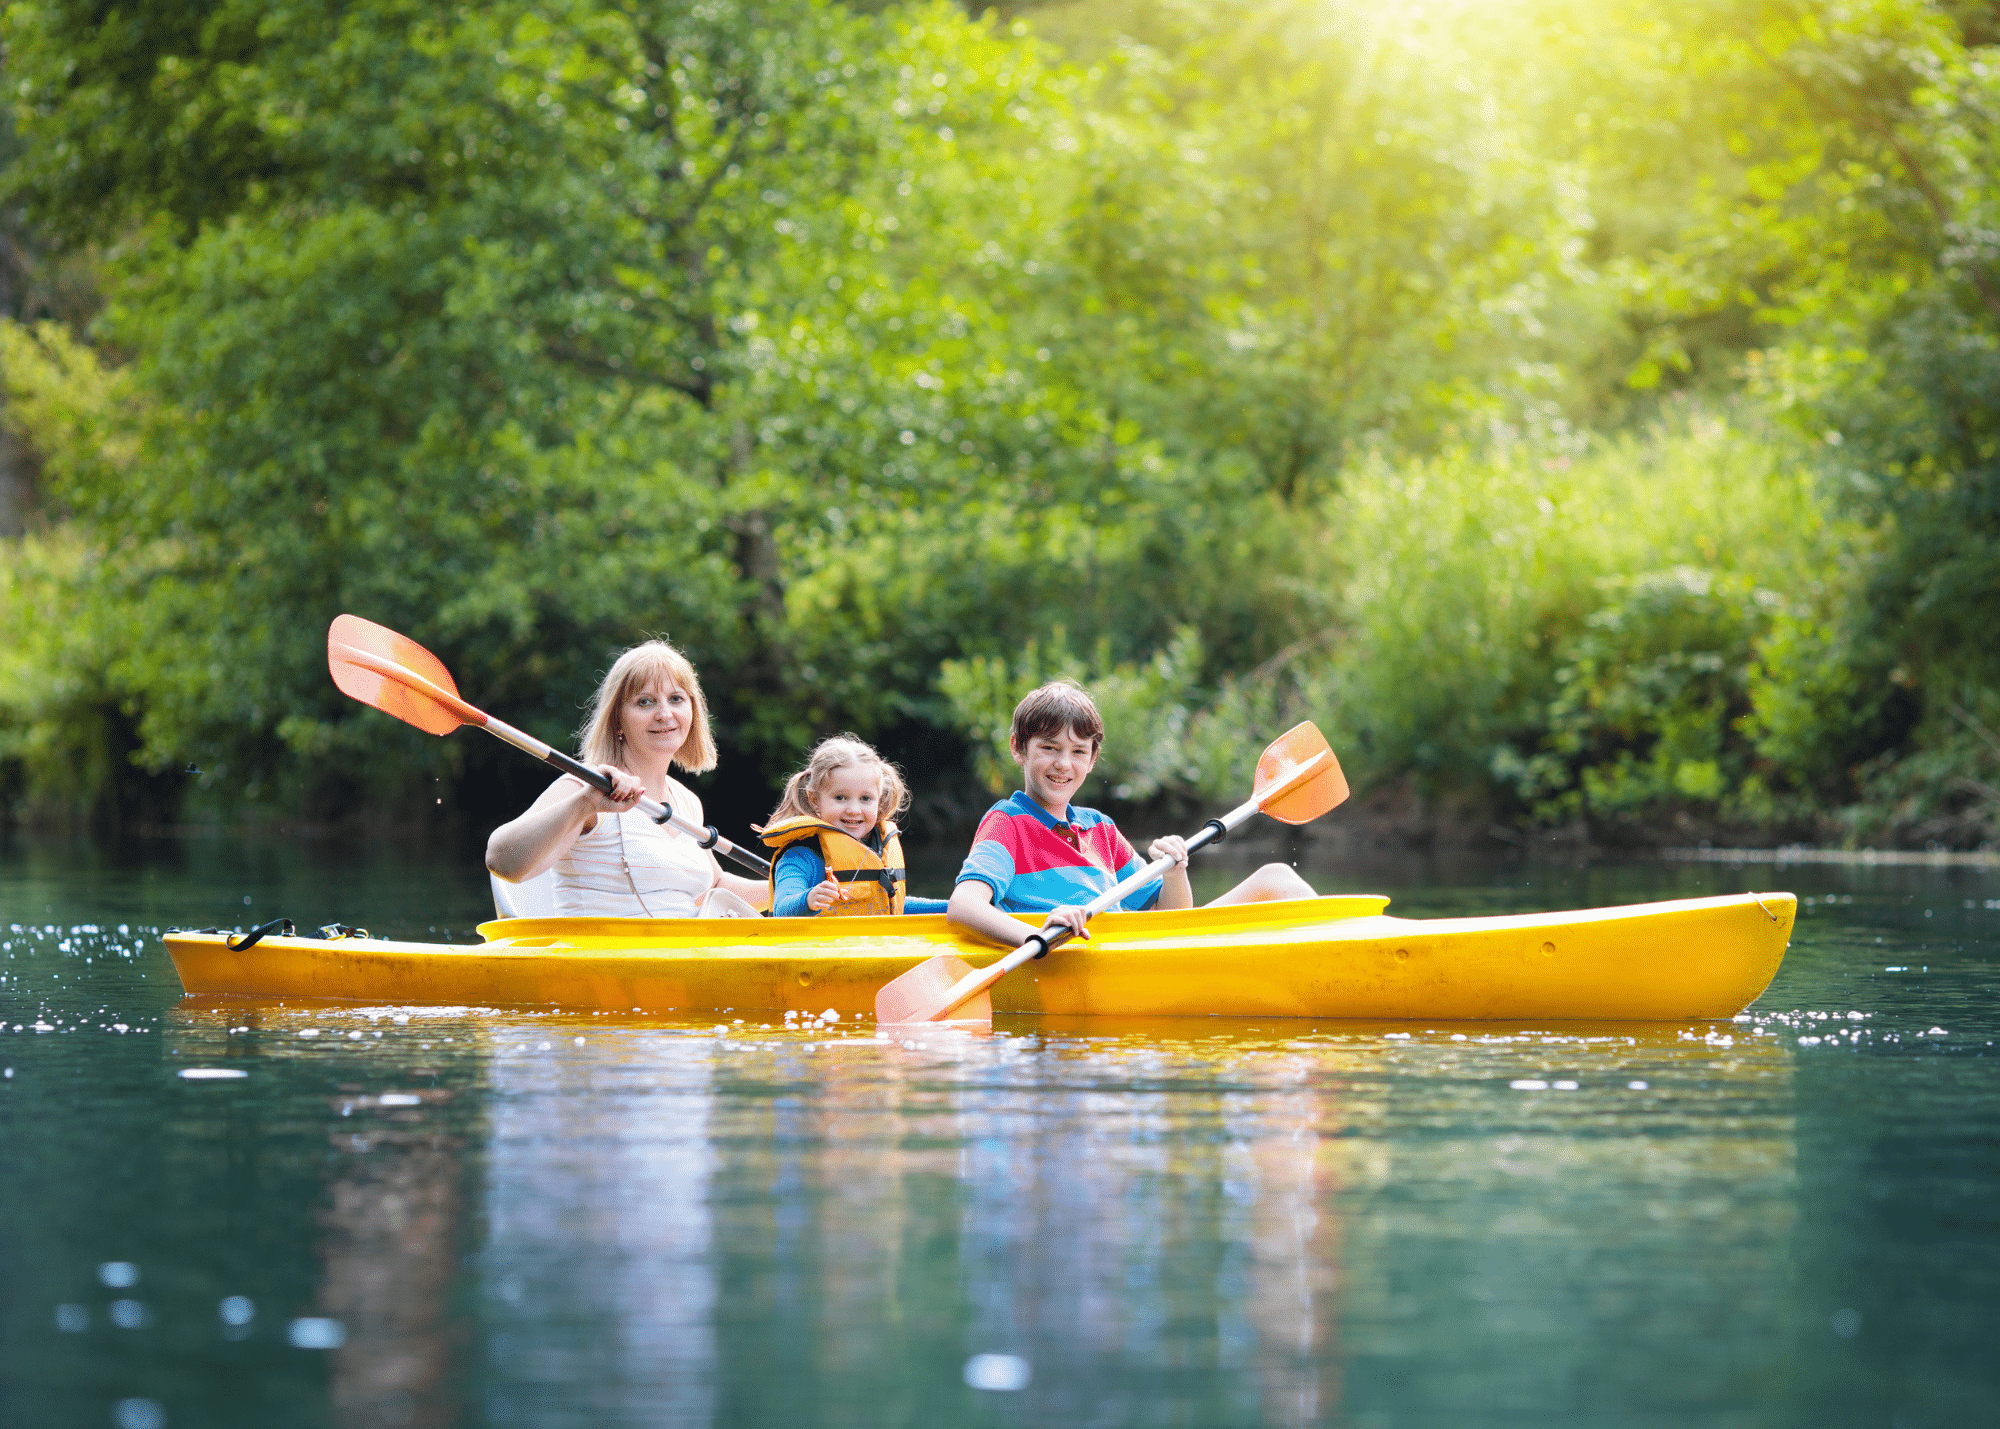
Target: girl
<point x="836" y="832"/>
<point x="610" y="860"/>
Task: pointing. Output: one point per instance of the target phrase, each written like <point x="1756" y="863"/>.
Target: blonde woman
<point x="610" y="860"/>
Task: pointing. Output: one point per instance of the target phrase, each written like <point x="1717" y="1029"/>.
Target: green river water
<point x="456" y="1217"/>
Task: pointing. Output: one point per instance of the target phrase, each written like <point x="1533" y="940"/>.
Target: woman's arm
<point x="754" y="891"/>
<point x="529" y="845"/>
<point x="685" y="802"/>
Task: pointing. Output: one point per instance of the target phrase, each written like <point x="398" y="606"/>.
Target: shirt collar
<point x="1020" y="803"/>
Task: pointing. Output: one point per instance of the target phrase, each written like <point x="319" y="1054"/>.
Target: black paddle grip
<point x="595" y="779"/>
<point x="1051" y="940"/>
<point x="710" y="837"/>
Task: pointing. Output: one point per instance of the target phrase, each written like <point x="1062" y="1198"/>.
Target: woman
<point x="610" y="860"/>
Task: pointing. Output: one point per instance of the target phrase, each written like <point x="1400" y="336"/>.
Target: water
<point x="452" y="1217"/>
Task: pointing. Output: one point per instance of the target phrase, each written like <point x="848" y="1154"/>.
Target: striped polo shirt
<point x="1034" y="862"/>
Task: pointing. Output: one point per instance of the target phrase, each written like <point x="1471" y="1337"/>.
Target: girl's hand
<point x="1068" y="916"/>
<point x="824" y="894"/>
<point x="626" y="791"/>
<point x="1171" y="846"/>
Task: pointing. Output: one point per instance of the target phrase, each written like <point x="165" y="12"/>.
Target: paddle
<point x="1298" y="779"/>
<point x="378" y="667"/>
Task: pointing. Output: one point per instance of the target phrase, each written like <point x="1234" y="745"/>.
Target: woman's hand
<point x="1171" y="846"/>
<point x="824" y="894"/>
<point x="626" y="791"/>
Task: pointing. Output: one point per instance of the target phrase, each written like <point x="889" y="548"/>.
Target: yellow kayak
<point x="1337" y="957"/>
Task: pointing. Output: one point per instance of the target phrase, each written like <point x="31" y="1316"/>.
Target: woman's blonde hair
<point x="829" y="757"/>
<point x="642" y="667"/>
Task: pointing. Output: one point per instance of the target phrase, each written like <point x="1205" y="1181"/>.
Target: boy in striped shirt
<point x="1035" y="852"/>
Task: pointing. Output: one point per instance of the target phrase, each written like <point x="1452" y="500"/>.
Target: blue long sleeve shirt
<point x="800" y="868"/>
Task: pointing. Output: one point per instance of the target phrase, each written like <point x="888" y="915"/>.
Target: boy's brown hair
<point x="1058" y="706"/>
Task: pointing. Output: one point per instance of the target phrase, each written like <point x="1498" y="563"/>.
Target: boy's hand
<point x="1171" y="846"/>
<point x="1068" y="916"/>
<point x="824" y="894"/>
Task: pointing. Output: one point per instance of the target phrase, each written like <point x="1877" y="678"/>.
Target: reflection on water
<point x="598" y="1291"/>
<point x="390" y="1228"/>
<point x="564" y="1220"/>
<point x="1281" y="1227"/>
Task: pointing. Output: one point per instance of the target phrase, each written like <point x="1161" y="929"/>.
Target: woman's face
<point x="655" y="721"/>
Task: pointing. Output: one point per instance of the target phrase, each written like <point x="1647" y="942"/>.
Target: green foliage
<point x="1483" y="617"/>
<point x="1475" y="575"/>
<point x="1145" y="706"/>
<point x="1249" y="360"/>
<point x="1651" y="702"/>
<point x="66" y="732"/>
<point x="1947" y="793"/>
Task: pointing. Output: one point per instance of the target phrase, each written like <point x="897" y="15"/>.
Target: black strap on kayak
<point x="256" y="935"/>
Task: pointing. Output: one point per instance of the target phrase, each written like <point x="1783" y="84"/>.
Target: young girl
<point x="836" y="835"/>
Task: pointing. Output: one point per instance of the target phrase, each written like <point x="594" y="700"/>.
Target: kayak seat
<point x="531" y="898"/>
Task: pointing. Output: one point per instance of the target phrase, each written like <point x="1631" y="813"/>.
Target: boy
<point x="1036" y="852"/>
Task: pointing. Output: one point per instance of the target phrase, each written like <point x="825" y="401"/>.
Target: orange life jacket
<point x="875" y="883"/>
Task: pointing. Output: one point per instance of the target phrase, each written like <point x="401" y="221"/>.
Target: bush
<point x="1146" y="707"/>
<point x="1651" y="702"/>
<point x="1493" y="608"/>
<point x="1488" y="637"/>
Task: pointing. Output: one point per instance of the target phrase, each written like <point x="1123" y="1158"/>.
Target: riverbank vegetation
<point x="1583" y="411"/>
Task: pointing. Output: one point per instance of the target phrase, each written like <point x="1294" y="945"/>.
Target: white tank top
<point x="630" y="867"/>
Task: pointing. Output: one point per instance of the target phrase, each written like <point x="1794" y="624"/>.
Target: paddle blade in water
<point x="915" y="997"/>
<point x="350" y="633"/>
<point x="1299" y="748"/>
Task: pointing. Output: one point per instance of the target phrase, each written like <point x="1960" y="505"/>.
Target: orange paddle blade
<point x="1280" y="790"/>
<point x="918" y="993"/>
<point x="350" y="633"/>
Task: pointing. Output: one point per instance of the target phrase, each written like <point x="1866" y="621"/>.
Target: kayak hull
<point x="1337" y="957"/>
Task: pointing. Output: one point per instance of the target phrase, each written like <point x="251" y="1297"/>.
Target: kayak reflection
<point x="1284" y="1222"/>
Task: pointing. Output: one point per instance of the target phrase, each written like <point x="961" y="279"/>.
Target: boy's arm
<point x="971" y="908"/>
<point x="1175" y="890"/>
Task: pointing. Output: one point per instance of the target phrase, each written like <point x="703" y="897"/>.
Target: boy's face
<point x="1054" y="766"/>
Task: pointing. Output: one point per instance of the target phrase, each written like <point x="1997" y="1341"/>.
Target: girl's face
<point x="851" y="799"/>
<point x="655" y="722"/>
